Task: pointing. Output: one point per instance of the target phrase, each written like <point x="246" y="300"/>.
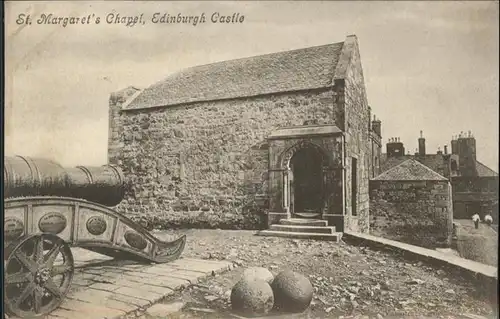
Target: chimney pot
<point x="421" y="145"/>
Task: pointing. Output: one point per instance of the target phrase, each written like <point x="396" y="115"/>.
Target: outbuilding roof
<point x="410" y="170"/>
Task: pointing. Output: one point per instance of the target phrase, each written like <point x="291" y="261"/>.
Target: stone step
<point x="304" y="229"/>
<point x="275" y="233"/>
<point x="307" y="215"/>
<point x="304" y="222"/>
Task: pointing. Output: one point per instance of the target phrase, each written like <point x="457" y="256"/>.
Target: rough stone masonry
<point x="194" y="147"/>
<point x="413" y="204"/>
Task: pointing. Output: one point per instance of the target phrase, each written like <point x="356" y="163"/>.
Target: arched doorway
<point x="306" y="183"/>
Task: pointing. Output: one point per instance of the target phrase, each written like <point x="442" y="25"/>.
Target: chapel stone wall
<point x="206" y="164"/>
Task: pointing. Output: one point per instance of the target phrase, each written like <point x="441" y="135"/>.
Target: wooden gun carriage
<point x="47" y="210"/>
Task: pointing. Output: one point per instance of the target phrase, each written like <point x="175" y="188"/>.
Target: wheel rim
<point x="37" y="275"/>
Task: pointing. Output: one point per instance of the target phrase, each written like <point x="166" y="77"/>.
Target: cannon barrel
<point x="25" y="176"/>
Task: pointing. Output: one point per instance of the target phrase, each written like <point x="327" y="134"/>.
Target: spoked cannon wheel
<point x="37" y="275"/>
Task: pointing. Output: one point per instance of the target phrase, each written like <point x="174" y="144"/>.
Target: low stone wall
<point x="414" y="212"/>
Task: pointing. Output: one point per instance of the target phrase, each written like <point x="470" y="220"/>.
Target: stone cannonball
<point x="252" y="297"/>
<point x="258" y="273"/>
<point x="293" y="292"/>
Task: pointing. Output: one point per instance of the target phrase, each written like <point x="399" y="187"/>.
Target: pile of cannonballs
<point x="258" y="292"/>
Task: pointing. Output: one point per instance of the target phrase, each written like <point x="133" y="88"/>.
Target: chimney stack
<point x="466" y="149"/>
<point x="454" y="145"/>
<point x="421" y="145"/>
<point x="395" y="147"/>
<point x="445" y="149"/>
<point x="377" y="126"/>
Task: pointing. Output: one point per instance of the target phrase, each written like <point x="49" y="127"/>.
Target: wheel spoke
<point x="37" y="302"/>
<point x="26" y="292"/>
<point x="52" y="254"/>
<point x="60" y="270"/>
<point x="38" y="249"/>
<point x="26" y="262"/>
<point x="51" y="286"/>
<point x="31" y="263"/>
<point x="18" y="278"/>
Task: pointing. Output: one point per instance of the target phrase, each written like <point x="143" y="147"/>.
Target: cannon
<point x="47" y="210"/>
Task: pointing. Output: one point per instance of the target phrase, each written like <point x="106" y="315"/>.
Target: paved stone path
<point x="107" y="288"/>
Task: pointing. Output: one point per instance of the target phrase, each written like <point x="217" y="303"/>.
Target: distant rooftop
<point x="484" y="171"/>
<point x="433" y="161"/>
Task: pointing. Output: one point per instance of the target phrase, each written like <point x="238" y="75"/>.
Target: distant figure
<point x="488" y="219"/>
<point x="476" y="220"/>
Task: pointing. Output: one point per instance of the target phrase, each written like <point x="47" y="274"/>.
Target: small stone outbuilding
<point x="474" y="185"/>
<point x="413" y="204"/>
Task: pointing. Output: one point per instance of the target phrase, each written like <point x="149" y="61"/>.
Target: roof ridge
<point x="402" y="164"/>
<point x="259" y="56"/>
<point x="194" y="67"/>
<point x="293" y="70"/>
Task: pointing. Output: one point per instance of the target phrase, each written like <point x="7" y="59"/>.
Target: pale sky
<point x="431" y="66"/>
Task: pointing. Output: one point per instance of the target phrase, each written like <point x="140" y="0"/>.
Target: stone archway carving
<point x="288" y="175"/>
<point x="290" y="152"/>
<point x="327" y="143"/>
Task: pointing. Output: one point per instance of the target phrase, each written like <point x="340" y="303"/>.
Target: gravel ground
<point x="349" y="281"/>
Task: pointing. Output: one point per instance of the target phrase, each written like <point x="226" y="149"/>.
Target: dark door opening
<point x="307" y="183"/>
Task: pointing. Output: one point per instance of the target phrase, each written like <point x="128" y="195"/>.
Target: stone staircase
<point x="301" y="228"/>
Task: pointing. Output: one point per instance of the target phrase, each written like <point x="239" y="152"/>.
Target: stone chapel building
<point x="250" y="141"/>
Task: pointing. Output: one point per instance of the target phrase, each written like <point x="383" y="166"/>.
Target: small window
<point x="453" y="165"/>
<point x="354" y="184"/>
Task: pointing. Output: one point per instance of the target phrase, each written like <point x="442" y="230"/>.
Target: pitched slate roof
<point x="294" y="70"/>
<point x="410" y="170"/>
<point x="435" y="162"/>
<point x="484" y="171"/>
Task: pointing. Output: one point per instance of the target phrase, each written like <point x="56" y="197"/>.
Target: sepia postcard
<point x="251" y="159"/>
